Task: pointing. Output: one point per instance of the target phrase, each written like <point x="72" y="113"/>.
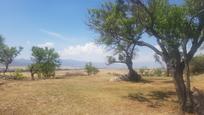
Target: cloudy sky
<point x="60" y="24"/>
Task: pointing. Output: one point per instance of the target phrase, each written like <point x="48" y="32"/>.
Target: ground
<point x="74" y="93"/>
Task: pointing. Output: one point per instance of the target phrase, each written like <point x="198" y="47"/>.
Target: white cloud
<point x="94" y="53"/>
<point x="47" y="44"/>
<point x="87" y="52"/>
<point x="53" y="34"/>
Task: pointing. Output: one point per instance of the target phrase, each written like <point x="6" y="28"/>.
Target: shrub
<point x="141" y="70"/>
<point x="158" y="72"/>
<point x="197" y="65"/>
<point x="17" y="75"/>
<point x="90" y="69"/>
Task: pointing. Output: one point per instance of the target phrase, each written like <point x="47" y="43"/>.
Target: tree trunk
<point x="32" y="76"/>
<point x="177" y="74"/>
<point x="132" y="74"/>
<point x="189" y="99"/>
<point x="6" y="69"/>
<point x="32" y="72"/>
<point x="182" y="91"/>
<point x="167" y="72"/>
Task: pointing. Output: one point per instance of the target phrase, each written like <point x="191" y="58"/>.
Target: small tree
<point x="7" y="55"/>
<point x="90" y="69"/>
<point x="118" y="32"/>
<point x="45" y="62"/>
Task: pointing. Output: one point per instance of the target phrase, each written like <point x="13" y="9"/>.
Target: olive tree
<point x="45" y="62"/>
<point x="8" y="54"/>
<point x="179" y="32"/>
<point x="118" y="32"/>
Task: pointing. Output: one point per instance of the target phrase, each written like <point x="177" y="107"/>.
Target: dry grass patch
<point x="90" y="95"/>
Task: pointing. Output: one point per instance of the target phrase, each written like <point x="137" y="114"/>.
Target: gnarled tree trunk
<point x="6" y="69"/>
<point x="132" y="74"/>
<point x="182" y="91"/>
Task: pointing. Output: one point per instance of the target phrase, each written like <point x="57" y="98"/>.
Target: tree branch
<point x="142" y="43"/>
<point x="196" y="44"/>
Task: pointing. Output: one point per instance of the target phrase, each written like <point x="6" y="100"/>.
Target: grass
<point x="90" y="95"/>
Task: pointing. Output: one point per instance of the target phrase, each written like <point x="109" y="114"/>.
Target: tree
<point x="174" y="28"/>
<point x="8" y="54"/>
<point x="118" y="32"/>
<point x="45" y="62"/>
<point x="90" y="69"/>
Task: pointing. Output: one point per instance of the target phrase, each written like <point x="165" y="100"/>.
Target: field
<point x="74" y="93"/>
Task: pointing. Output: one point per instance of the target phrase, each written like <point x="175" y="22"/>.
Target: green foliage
<point x="158" y="72"/>
<point x="90" y="69"/>
<point x="7" y="54"/>
<point x="45" y="62"/>
<point x="18" y="75"/>
<point x="118" y="30"/>
<point x="197" y="65"/>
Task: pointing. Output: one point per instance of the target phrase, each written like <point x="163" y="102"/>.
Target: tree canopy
<point x="45" y="62"/>
<point x="7" y="54"/>
<point x="177" y="29"/>
<point x="118" y="32"/>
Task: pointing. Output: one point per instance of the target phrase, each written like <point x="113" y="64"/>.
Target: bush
<point x="90" y="69"/>
<point x="17" y="75"/>
<point x="158" y="72"/>
<point x="141" y="70"/>
<point x="197" y="65"/>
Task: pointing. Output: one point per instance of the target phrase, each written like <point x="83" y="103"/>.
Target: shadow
<point x="153" y="99"/>
<point x="2" y="83"/>
<point x="72" y="74"/>
<point x="139" y="97"/>
<point x="145" y="81"/>
<point x="167" y="81"/>
<point x="140" y="81"/>
<point x="161" y="95"/>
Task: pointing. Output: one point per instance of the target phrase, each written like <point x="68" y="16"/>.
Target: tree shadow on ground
<point x="161" y="95"/>
<point x="141" y="81"/>
<point x="170" y="81"/>
<point x="153" y="99"/>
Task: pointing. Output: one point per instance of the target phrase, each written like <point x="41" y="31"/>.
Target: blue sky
<point x="60" y="24"/>
<point x="30" y="21"/>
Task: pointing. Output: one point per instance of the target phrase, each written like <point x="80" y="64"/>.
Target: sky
<point x="59" y="24"/>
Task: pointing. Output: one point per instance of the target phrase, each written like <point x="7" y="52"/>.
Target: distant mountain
<point x="21" y="62"/>
<point x="68" y="63"/>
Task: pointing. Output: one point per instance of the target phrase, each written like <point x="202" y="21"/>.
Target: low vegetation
<point x="90" y="69"/>
<point x="197" y="65"/>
